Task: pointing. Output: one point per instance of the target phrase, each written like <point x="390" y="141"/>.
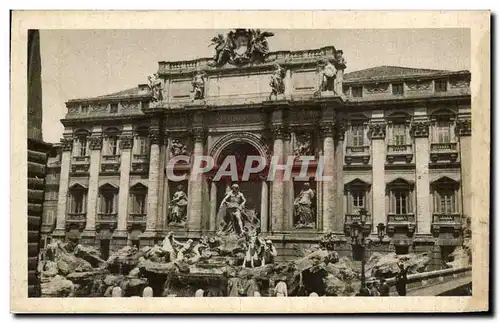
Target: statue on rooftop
<point x="198" y="84"/>
<point x="340" y="66"/>
<point x="156" y="87"/>
<point x="240" y="46"/>
<point x="277" y="81"/>
<point x="327" y="75"/>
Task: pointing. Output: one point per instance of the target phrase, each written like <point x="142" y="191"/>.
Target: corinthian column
<point x="377" y="135"/>
<point x="277" y="186"/>
<point x="328" y="180"/>
<point x="125" y="148"/>
<point x="95" y="164"/>
<point x="195" y="185"/>
<point x="155" y="138"/>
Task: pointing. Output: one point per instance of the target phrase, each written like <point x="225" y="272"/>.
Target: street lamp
<point x="381" y="231"/>
<point x="359" y="231"/>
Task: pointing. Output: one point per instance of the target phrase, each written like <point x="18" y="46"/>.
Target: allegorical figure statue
<point x="304" y="145"/>
<point x="340" y="66"/>
<point x="234" y="216"/>
<point x="303" y="207"/>
<point x="178" y="206"/>
<point x="156" y="87"/>
<point x="327" y="75"/>
<point x="277" y="81"/>
<point x="198" y="84"/>
<point x="177" y="148"/>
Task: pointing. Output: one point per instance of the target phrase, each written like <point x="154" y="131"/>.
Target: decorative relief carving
<point x="98" y="108"/>
<point x="304" y="144"/>
<point x="126" y="141"/>
<point x="176" y="121"/>
<point x="129" y="106"/>
<point x="377" y="88"/>
<point x="463" y="127"/>
<point x="80" y="168"/>
<point x="73" y="110"/>
<point x="459" y="83"/>
<point x="277" y="82"/>
<point x="279" y="131"/>
<point x="419" y="85"/>
<point x="67" y="144"/>
<point x="420" y="129"/>
<point x="177" y="148"/>
<point x="235" y="118"/>
<point x="240" y="47"/>
<point x="95" y="143"/>
<point x="304" y="115"/>
<point x="377" y="131"/>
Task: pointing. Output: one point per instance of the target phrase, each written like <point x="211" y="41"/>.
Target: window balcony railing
<point x="355" y="217"/>
<point x="81" y="159"/>
<point x="358" y="150"/>
<point x="140" y="158"/>
<point x="400" y="218"/>
<point x="136" y="220"/>
<point x="447" y="218"/>
<point x="111" y="158"/>
<point x="109" y="220"/>
<point x="399" y="149"/>
<point x="75" y="220"/>
<point x="445" y="147"/>
<point x="446" y="223"/>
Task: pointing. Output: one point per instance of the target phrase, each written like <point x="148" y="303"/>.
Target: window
<point x="443" y="132"/>
<point x="357" y="91"/>
<point x="111" y="144"/>
<point x="356" y="192"/>
<point x="400" y="194"/>
<point x="358" y="134"/>
<point x="440" y="85"/>
<point x="108" y="198"/>
<point x="113" y="108"/>
<point x="399" y="134"/>
<point x="85" y="108"/>
<point x="445" y="201"/>
<point x="397" y="89"/>
<point x="139" y="199"/>
<point x="77" y="199"/>
<point x="141" y="145"/>
<point x="358" y="200"/>
<point x="80" y="147"/>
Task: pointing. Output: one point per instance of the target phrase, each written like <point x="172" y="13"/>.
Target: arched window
<point x="77" y="199"/>
<point x="400" y="194"/>
<point x="108" y="199"/>
<point x="80" y="143"/>
<point x="138" y="199"/>
<point x="445" y="196"/>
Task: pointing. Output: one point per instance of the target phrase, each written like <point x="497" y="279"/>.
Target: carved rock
<point x="387" y="265"/>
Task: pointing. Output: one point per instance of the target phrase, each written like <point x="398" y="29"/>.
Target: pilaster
<point x="213" y="206"/>
<point x="155" y="137"/>
<point x="339" y="176"/>
<point x="195" y="184"/>
<point x="327" y="134"/>
<point x="277" y="214"/>
<point x="420" y="131"/>
<point x="377" y="135"/>
<point x="264" y="221"/>
<point x="464" y="130"/>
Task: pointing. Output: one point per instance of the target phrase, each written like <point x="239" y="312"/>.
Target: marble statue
<point x="198" y="84"/>
<point x="277" y="81"/>
<point x="304" y="210"/>
<point x="177" y="148"/>
<point x="340" y="66"/>
<point x="156" y="87"/>
<point x="178" y="206"/>
<point x="327" y="75"/>
<point x="235" y="218"/>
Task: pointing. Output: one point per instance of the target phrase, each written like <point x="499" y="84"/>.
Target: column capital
<point x="67" y="144"/>
<point x="377" y="130"/>
<point x="327" y="129"/>
<point x="420" y="129"/>
<point x="341" y="128"/>
<point x="463" y="127"/>
<point x="126" y="141"/>
<point x="95" y="142"/>
<point x="198" y="134"/>
<point x="155" y="135"/>
<point x="280" y="131"/>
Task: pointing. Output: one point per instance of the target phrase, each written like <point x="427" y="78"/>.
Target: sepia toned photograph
<point x="228" y="163"/>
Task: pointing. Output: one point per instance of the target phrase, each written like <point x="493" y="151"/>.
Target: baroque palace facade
<point x="395" y="139"/>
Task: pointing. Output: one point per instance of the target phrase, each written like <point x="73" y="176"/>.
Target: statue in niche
<point x="178" y="206"/>
<point x="177" y="148"/>
<point x="277" y="81"/>
<point x="304" y="211"/>
<point x="156" y="87"/>
<point x="304" y="146"/>
<point x="198" y="83"/>
<point x="327" y="75"/>
<point x="340" y="66"/>
<point x="235" y="218"/>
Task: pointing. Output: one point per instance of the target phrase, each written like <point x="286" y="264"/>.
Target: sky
<point x="88" y="63"/>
